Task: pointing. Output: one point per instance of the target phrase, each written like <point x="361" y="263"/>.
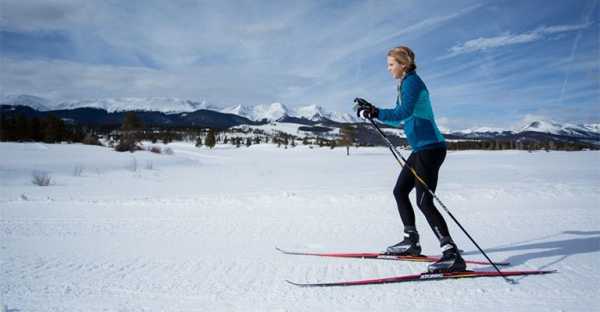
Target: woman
<point x="413" y="108"/>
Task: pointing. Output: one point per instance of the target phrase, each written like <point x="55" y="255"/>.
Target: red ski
<point x="422" y="277"/>
<point x="380" y="256"/>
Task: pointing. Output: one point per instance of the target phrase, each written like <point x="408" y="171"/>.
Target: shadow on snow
<point x="586" y="242"/>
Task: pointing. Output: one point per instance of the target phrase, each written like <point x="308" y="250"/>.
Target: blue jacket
<point x="413" y="107"/>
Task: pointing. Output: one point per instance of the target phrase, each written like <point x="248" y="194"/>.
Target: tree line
<point x="50" y="129"/>
<point x="521" y="144"/>
<point x="127" y="137"/>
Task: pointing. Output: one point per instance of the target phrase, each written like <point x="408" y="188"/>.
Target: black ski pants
<point x="427" y="164"/>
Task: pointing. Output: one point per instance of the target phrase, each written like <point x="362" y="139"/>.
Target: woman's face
<point x="395" y="68"/>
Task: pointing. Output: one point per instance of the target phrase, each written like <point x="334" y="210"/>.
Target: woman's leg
<point x="427" y="165"/>
<point x="404" y="185"/>
<point x="410" y="244"/>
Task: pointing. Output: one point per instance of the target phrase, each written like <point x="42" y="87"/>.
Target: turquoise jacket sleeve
<point x="409" y="95"/>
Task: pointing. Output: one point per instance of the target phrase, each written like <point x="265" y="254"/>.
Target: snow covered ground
<point x="196" y="230"/>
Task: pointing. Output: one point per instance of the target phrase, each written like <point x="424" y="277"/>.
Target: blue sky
<point x="486" y="63"/>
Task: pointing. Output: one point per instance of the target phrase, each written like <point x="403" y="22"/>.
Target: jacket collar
<point x="410" y="73"/>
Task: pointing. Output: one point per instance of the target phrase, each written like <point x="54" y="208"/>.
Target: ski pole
<point x="414" y="172"/>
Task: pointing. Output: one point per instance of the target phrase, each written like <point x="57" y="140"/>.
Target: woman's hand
<point x="364" y="109"/>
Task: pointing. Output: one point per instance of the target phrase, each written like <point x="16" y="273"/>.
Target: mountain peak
<point x="541" y="125"/>
<point x="311" y="112"/>
<point x="240" y="110"/>
<point x="32" y="101"/>
<point x="274" y="111"/>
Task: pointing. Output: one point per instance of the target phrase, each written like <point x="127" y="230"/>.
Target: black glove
<point x="365" y="109"/>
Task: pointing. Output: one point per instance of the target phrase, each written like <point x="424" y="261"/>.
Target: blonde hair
<point x="405" y="56"/>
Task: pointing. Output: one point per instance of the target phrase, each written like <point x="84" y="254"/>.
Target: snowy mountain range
<point x="312" y="114"/>
<point x="157" y="104"/>
<point x="566" y="129"/>
<point x="538" y="126"/>
<point x="171" y="105"/>
<point x="278" y="111"/>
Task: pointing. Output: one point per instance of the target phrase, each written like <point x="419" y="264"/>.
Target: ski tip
<point x="283" y="251"/>
<point x="294" y="283"/>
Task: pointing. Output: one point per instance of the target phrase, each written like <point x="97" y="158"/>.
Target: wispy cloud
<point x="482" y="44"/>
<point x="429" y="24"/>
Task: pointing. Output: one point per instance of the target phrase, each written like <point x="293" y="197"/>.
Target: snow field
<point x="198" y="231"/>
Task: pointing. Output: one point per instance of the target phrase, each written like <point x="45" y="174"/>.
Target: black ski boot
<point x="408" y="247"/>
<point x="451" y="260"/>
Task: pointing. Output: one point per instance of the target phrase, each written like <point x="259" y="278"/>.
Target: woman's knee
<point x="401" y="192"/>
<point x="425" y="202"/>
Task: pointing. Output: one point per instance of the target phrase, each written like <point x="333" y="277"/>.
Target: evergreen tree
<point x="348" y="134"/>
<point x="36" y="129"/>
<point x="76" y="134"/>
<point x="210" y="140"/>
<point x="23" y="128"/>
<point x="4" y="129"/>
<point x="130" y="133"/>
<point x="131" y="122"/>
<point x="54" y="130"/>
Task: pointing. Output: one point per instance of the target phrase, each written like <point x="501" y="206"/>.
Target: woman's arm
<point x="410" y="95"/>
